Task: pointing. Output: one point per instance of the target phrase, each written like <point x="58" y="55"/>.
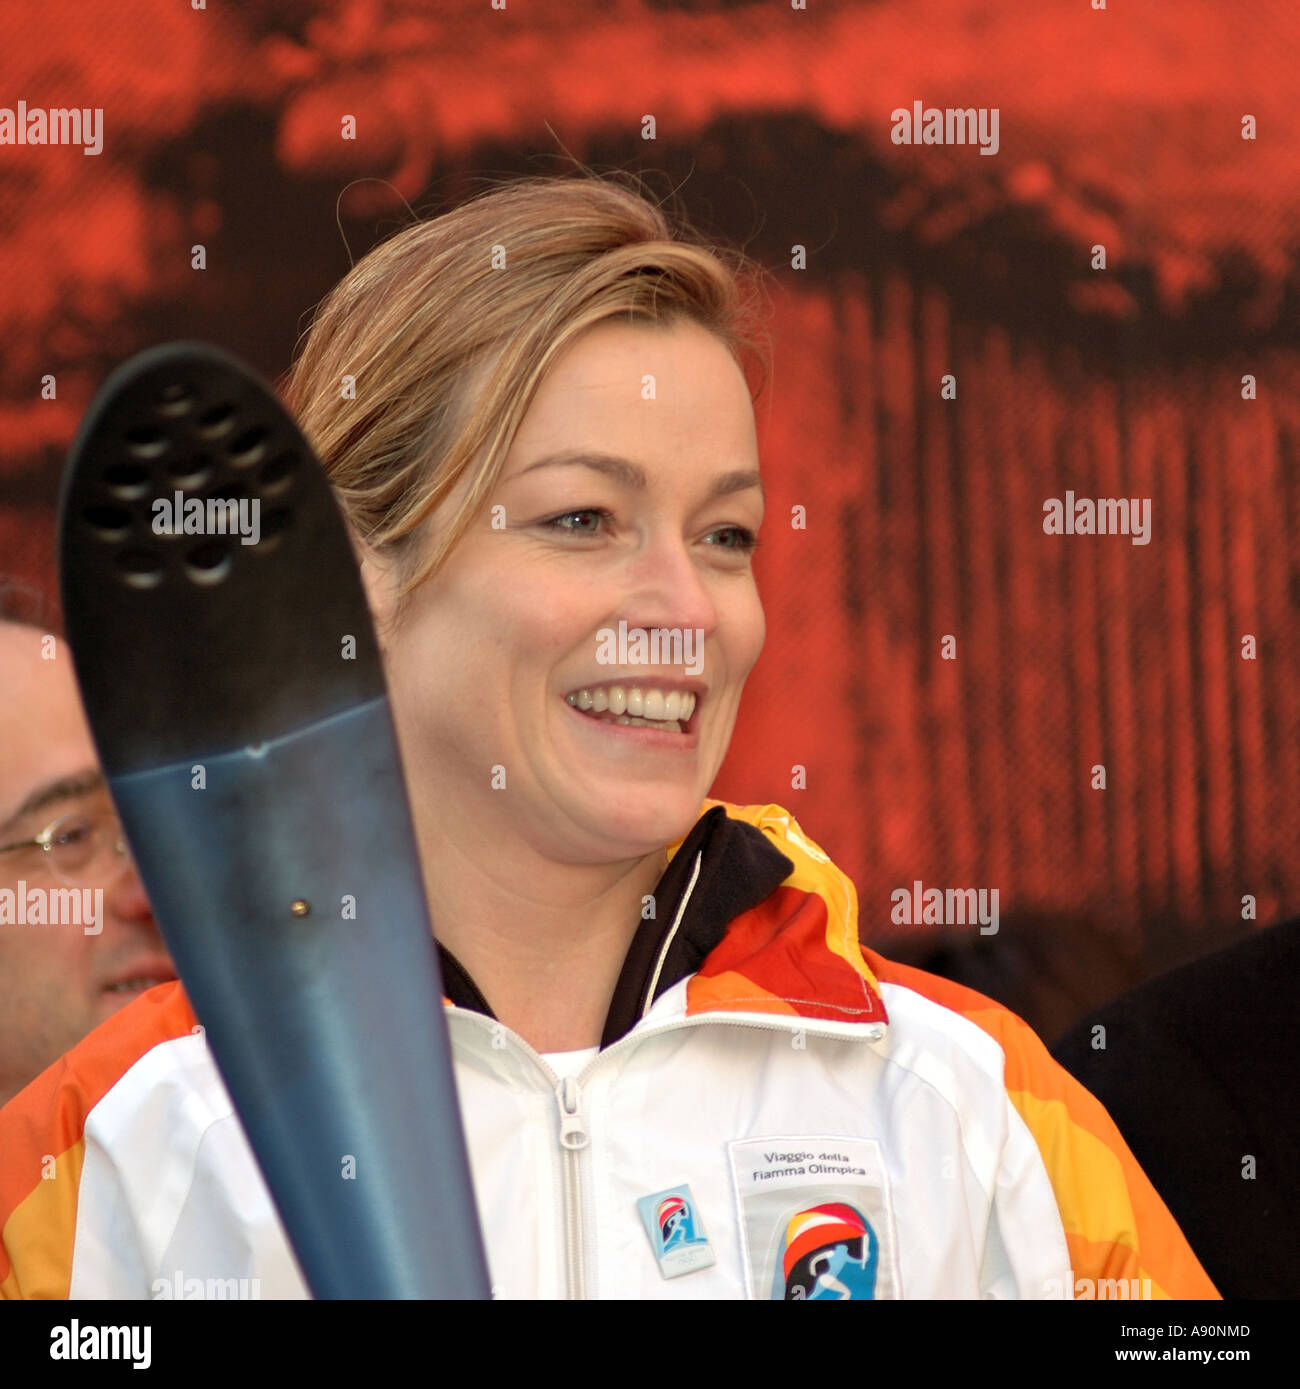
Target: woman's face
<point x="487" y="664"/>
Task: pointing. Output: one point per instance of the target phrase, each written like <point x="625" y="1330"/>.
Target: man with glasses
<point x="59" y="836"/>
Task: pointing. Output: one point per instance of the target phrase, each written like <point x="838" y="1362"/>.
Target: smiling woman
<point x="552" y="434"/>
<point x="681" y="1074"/>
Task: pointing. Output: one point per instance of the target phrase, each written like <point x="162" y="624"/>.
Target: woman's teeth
<point x="636" y="707"/>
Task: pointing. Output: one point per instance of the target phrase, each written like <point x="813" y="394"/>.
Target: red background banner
<point x="1120" y="128"/>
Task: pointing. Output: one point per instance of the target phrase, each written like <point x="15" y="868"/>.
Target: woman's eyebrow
<point x="632" y="475"/>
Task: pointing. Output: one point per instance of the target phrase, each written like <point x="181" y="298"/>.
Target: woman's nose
<point x="668" y="591"/>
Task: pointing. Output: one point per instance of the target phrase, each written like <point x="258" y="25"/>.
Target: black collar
<point x="739" y="868"/>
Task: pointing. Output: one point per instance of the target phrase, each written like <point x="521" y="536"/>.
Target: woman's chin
<point x="633" y="823"/>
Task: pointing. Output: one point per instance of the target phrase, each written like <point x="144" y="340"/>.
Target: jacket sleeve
<point x="1116" y="1225"/>
<point x="51" y="1146"/>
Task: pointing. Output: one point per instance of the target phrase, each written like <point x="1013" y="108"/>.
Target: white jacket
<point x="796" y="1116"/>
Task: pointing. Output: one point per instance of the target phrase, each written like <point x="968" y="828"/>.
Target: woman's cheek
<point x="742" y="640"/>
<point x="758" y="635"/>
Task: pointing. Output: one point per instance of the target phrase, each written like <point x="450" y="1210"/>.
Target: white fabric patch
<point x="815" y="1218"/>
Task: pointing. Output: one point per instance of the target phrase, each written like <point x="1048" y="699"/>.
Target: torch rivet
<point x="300" y="906"/>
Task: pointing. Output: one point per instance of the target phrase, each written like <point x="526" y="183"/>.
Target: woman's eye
<point x="742" y="538"/>
<point x="590" y="520"/>
<point x="598" y="514"/>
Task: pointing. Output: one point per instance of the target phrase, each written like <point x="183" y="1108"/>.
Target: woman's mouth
<point x="636" y="706"/>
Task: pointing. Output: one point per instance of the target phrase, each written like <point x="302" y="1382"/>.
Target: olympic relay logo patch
<point x="816" y="1223"/>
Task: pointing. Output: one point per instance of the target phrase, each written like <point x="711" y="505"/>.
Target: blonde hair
<point x="448" y="328"/>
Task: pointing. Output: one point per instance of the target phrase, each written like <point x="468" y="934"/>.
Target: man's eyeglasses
<point x="79" y="846"/>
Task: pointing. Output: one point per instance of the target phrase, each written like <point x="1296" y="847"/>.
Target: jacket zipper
<point x="573" y="1139"/>
<point x="574" y="1136"/>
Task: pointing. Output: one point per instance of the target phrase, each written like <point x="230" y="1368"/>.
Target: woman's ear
<point x="380" y="583"/>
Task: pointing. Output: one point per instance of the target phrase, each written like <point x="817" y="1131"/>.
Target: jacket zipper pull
<point x="573" y="1132"/>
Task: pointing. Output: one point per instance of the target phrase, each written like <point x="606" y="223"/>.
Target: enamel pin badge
<point x="676" y="1231"/>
